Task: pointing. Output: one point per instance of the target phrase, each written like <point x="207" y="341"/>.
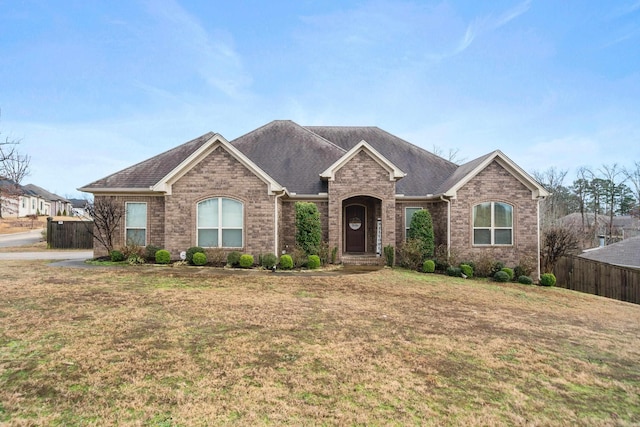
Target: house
<point x="78" y="207"/>
<point x="625" y="253"/>
<point x="17" y="201"/>
<point x="50" y="204"/>
<point x="366" y="182"/>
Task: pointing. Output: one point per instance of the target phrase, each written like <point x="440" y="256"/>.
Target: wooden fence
<point x="598" y="278"/>
<point x="69" y="234"/>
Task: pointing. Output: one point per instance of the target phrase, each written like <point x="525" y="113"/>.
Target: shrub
<point x="429" y="266"/>
<point x="132" y="249"/>
<point x="313" y="262"/>
<point x="269" y="260"/>
<point x="286" y="262"/>
<point x="441" y="258"/>
<point x="334" y="254"/>
<point x="199" y="258"/>
<point x="162" y="256"/>
<point x="470" y="264"/>
<point x="421" y="229"/>
<point x="246" y="261"/>
<point x="299" y="257"/>
<point x="389" y="255"/>
<point x="135" y="259"/>
<point x="216" y="256"/>
<point x="547" y="279"/>
<point x="495" y="267"/>
<point x="501" y="276"/>
<point x="526" y="266"/>
<point x="483" y="267"/>
<point x="116" y="256"/>
<point x="454" y="272"/>
<point x="467" y="270"/>
<point x="150" y="252"/>
<point x="233" y="259"/>
<point x="525" y="280"/>
<point x="323" y="253"/>
<point x="191" y="251"/>
<point x="308" y="227"/>
<point x="509" y="271"/>
<point x="410" y="254"/>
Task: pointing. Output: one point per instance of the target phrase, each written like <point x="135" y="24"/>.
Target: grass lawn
<point x="184" y="346"/>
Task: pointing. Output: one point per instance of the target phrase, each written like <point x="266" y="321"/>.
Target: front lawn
<point x="182" y="346"/>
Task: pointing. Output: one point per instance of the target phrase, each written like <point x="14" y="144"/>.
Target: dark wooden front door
<point x="355" y="227"/>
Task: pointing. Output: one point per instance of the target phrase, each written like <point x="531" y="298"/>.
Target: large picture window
<point x="492" y="224"/>
<point x="408" y="215"/>
<point x="136" y="223"/>
<point x="220" y="223"/>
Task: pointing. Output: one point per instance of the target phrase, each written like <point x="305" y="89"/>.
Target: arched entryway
<point x="360" y="224"/>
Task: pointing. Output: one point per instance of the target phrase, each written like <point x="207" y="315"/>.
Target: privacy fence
<point x="69" y="234"/>
<point x="598" y="278"/>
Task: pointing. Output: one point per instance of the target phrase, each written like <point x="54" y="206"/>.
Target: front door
<point x="355" y="228"/>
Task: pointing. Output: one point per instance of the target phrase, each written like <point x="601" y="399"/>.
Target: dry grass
<point x="20" y="225"/>
<point x="179" y="346"/>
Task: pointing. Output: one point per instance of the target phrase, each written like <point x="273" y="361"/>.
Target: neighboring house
<point x="16" y="200"/>
<point x="78" y="207"/>
<point x="367" y="184"/>
<point x="50" y="204"/>
<point x="625" y="253"/>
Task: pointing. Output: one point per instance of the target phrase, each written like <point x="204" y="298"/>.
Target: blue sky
<point x="91" y="87"/>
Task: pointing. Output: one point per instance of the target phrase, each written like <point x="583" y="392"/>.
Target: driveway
<point x="20" y="239"/>
<point x="66" y="255"/>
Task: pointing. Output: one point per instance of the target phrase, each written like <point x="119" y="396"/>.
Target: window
<point x="408" y="214"/>
<point x="220" y="222"/>
<point x="136" y="223"/>
<point x="493" y="224"/>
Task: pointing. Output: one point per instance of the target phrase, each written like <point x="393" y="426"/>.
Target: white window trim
<point x="126" y="228"/>
<point x="492" y="228"/>
<point x="220" y="228"/>
<point x="407" y="225"/>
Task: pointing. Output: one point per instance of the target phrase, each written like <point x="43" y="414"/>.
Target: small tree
<point x="421" y="229"/>
<point x="556" y="243"/>
<point x="106" y="214"/>
<point x="13" y="168"/>
<point x="308" y="227"/>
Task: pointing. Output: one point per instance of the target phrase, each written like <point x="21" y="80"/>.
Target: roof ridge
<point x="322" y="138"/>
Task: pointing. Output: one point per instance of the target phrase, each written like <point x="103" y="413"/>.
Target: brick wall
<point x="220" y="175"/>
<point x="495" y="184"/>
<point x="155" y="221"/>
<point x="288" y="222"/>
<point x="361" y="176"/>
<point x="438" y="211"/>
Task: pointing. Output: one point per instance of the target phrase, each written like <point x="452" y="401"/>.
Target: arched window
<point x="492" y="224"/>
<point x="220" y="223"/>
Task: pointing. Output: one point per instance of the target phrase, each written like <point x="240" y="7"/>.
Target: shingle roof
<point x="625" y="252"/>
<point x="44" y="193"/>
<point x="149" y="172"/>
<point x="425" y="171"/>
<point x="290" y="154"/>
<point x="460" y="173"/>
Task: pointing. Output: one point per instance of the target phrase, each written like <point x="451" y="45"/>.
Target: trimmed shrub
<point x="547" y="279"/>
<point x="191" y="251"/>
<point x="286" y="262"/>
<point x="308" y="227"/>
<point x="313" y="262"/>
<point x="389" y="255"/>
<point x="269" y="260"/>
<point x="429" y="266"/>
<point x="199" y="258"/>
<point x="501" y="276"/>
<point x="525" y="280"/>
<point x="246" y="261"/>
<point x="162" y="256"/>
<point x="467" y="270"/>
<point x="150" y="252"/>
<point x="116" y="256"/>
<point x="454" y="272"/>
<point x="509" y="271"/>
<point x="233" y="259"/>
<point x="421" y="229"/>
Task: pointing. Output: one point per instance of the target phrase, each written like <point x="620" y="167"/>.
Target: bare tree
<point x="556" y="205"/>
<point x="106" y="214"/>
<point x="612" y="189"/>
<point x="633" y="176"/>
<point x="14" y="167"/>
<point x="452" y="155"/>
<point x="556" y="243"/>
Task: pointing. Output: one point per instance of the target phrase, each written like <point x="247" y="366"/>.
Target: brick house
<point x="367" y="183"/>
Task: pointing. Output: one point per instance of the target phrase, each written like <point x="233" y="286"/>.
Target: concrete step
<point x="365" y="259"/>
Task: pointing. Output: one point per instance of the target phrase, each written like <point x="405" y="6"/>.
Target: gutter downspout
<point x="448" y="225"/>
<point x="538" y="236"/>
<point x="275" y="222"/>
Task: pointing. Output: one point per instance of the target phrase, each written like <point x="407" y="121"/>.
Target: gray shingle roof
<point x="625" y="252"/>
<point x="149" y="172"/>
<point x="425" y="171"/>
<point x="51" y="197"/>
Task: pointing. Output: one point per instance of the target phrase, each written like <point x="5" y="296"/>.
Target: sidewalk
<point x="52" y="254"/>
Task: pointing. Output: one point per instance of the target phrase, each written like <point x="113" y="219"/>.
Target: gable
<point x="367" y="158"/>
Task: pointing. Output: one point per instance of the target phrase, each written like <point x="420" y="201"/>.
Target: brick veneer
<point x="287" y="233"/>
<point x="495" y="183"/>
<point x="438" y="211"/>
<point x="361" y="176"/>
<point x="155" y="221"/>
